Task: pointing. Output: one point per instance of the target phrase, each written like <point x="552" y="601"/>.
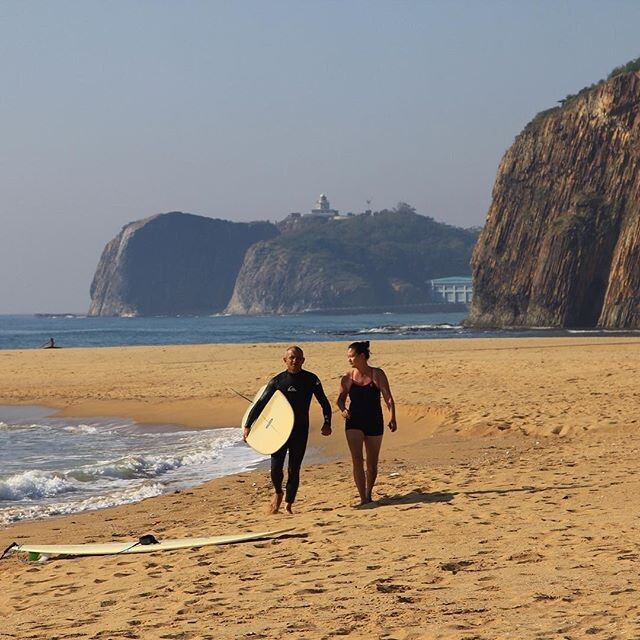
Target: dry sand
<point x="506" y="501"/>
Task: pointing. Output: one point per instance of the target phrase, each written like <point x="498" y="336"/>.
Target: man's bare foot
<point x="288" y="508"/>
<point x="274" y="507"/>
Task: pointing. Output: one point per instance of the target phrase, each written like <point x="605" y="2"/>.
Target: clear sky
<point x="113" y="111"/>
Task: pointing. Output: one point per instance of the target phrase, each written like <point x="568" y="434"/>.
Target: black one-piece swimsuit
<point x="365" y="410"/>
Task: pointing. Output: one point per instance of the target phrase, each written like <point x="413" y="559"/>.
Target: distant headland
<point x="179" y="263"/>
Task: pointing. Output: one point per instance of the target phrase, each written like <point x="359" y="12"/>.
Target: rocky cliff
<point x="385" y="259"/>
<point x="561" y="244"/>
<point x="171" y="264"/>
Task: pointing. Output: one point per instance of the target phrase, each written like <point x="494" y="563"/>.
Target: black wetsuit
<point x="298" y="389"/>
<point x="365" y="410"/>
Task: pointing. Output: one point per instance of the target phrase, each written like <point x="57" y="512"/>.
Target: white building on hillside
<point x="452" y="290"/>
<point x="323" y="208"/>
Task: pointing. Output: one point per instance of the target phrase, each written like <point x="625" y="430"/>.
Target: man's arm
<point x="321" y="397"/>
<point x="260" y="404"/>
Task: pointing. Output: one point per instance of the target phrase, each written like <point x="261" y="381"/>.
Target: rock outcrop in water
<point x="561" y="245"/>
<point x="366" y="261"/>
<point x="172" y="264"/>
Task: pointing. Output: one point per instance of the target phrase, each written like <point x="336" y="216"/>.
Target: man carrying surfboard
<point x="298" y="386"/>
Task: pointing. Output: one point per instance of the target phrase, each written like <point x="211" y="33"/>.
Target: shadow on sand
<point x="417" y="496"/>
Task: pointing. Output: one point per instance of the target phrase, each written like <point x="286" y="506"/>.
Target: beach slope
<point x="505" y="504"/>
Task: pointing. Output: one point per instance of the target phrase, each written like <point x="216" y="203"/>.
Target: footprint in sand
<point x="456" y="565"/>
<point x="107" y="603"/>
<point x="526" y="557"/>
<point x="383" y="587"/>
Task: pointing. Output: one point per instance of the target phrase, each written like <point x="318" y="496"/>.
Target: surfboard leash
<point x="239" y="394"/>
<point x="143" y="540"/>
<point x="11" y="546"/>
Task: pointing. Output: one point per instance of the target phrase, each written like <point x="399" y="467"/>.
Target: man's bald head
<point x="294" y="359"/>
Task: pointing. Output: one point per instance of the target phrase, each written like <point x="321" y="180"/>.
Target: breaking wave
<point x="59" y="466"/>
<point x="26" y="511"/>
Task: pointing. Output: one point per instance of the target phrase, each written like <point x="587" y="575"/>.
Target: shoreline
<point x="320" y="450"/>
<point x="159" y="459"/>
<point x="187" y="408"/>
<point x="505" y="506"/>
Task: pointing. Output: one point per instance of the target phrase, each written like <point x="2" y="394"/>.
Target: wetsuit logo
<point x="292" y="388"/>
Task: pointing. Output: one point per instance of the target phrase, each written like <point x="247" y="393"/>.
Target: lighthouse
<point x="323" y="208"/>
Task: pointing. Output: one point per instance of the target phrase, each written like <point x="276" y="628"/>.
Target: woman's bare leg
<point x="355" y="439"/>
<point x="372" y="446"/>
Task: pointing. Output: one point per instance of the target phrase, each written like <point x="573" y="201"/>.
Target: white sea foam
<point x="32" y="485"/>
<point x="82" y="428"/>
<point x="61" y="466"/>
<point x="150" y="466"/>
<point x="128" y="496"/>
<point x="414" y="328"/>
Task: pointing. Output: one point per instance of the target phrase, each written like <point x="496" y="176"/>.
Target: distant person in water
<point x="50" y="345"/>
<point x="364" y="423"/>
<point x="298" y="386"/>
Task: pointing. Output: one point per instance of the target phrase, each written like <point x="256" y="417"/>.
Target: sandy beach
<point x="506" y="502"/>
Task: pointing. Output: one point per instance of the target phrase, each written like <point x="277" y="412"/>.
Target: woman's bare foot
<point x="274" y="507"/>
<point x="288" y="508"/>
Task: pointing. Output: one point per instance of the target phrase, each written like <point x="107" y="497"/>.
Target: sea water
<point x="57" y="466"/>
<point x="68" y="330"/>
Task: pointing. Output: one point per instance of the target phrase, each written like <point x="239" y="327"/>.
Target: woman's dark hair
<point x="361" y="347"/>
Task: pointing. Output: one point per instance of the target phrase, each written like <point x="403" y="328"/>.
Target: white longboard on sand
<point x="111" y="548"/>
<point x="273" y="425"/>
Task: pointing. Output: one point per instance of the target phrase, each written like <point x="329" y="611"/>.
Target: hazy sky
<point x="113" y="111"/>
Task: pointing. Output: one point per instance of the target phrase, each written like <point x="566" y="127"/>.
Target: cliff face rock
<point x="280" y="280"/>
<point x="171" y="264"/>
<point x="561" y="245"/>
<point x="386" y="259"/>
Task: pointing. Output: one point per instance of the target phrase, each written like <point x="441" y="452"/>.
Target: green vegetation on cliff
<point x="398" y="243"/>
<point x="631" y="66"/>
<point x="385" y="258"/>
<point x="177" y="263"/>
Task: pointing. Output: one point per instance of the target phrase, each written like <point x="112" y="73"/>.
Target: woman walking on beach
<point x="364" y="422"/>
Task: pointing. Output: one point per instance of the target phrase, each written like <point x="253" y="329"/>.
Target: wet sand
<point x="505" y="503"/>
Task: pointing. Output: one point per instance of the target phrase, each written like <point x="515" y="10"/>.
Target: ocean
<point x="55" y="466"/>
<point x="69" y="330"/>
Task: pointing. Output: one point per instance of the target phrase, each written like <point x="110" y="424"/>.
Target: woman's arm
<point x="345" y="383"/>
<point x="383" y="384"/>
